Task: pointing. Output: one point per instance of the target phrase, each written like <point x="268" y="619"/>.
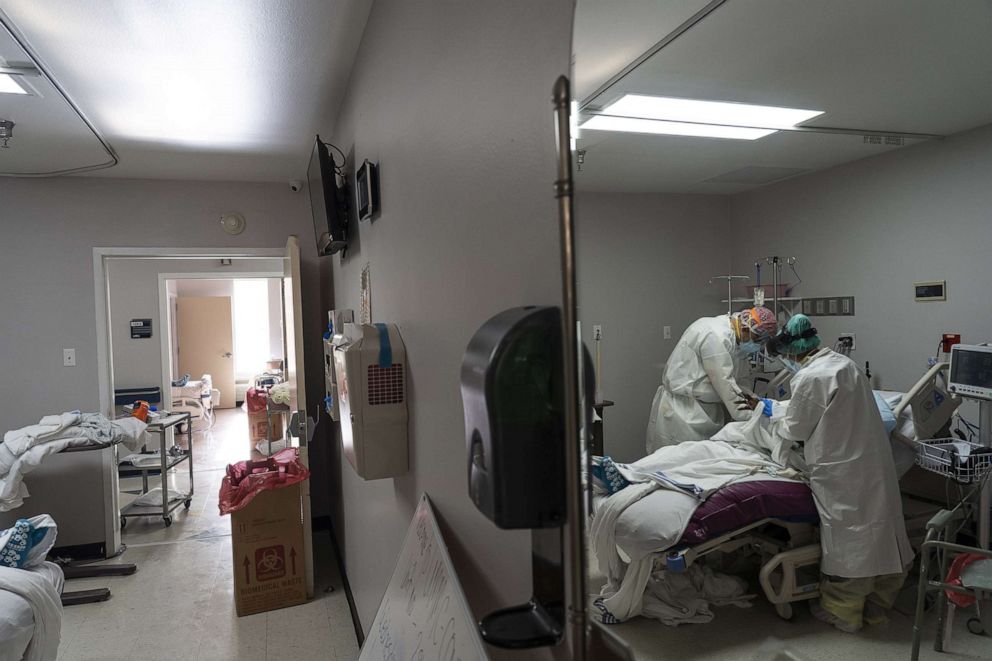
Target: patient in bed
<point x="833" y="435"/>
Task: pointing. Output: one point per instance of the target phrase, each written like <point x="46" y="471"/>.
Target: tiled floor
<point x="180" y="603"/>
<point x="758" y="634"/>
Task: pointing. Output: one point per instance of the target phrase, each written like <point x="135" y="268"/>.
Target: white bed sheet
<point x="657" y="521"/>
<point x="17" y="618"/>
<point x="904" y="456"/>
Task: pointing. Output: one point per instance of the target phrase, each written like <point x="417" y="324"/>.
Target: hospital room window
<point x="251" y="327"/>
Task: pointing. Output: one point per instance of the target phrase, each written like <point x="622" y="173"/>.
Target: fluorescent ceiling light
<point x="9" y="85"/>
<point x="709" y="112"/>
<point x="636" y="125"/>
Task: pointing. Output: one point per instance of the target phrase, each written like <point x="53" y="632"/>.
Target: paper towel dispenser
<point x="370" y="366"/>
<point x="512" y="393"/>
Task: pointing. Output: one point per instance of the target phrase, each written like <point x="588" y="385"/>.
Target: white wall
<point x="194" y="287"/>
<point x="134" y="294"/>
<point x="50" y="227"/>
<point x="872" y="228"/>
<point x="226" y="288"/>
<point x="453" y="99"/>
<point x="276" y="349"/>
<point x="643" y="263"/>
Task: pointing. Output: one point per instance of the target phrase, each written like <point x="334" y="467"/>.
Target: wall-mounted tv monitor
<point x="328" y="203"/>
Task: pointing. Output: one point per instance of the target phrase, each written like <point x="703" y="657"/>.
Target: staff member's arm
<point x="718" y="364"/>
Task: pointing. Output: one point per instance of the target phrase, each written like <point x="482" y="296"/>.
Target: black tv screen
<point x="327" y="201"/>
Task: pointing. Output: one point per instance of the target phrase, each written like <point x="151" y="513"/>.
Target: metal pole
<point x="575" y="611"/>
<point x="985" y="439"/>
<point x="776" y="277"/>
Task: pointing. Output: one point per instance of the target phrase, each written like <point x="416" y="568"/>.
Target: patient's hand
<point x="747" y="402"/>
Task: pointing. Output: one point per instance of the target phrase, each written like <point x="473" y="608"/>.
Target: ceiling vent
<point x="754" y="175"/>
<point x="884" y="140"/>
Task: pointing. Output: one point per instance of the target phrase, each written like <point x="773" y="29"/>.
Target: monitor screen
<point x="329" y="218"/>
<point x="972" y="368"/>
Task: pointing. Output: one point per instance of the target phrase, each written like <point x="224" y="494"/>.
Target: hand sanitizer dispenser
<point x="334" y="337"/>
<point x="512" y="394"/>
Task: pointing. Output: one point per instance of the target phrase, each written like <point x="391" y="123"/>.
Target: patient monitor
<point x="971" y="377"/>
<point x="971" y="371"/>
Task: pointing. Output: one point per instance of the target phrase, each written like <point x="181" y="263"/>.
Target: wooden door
<point x="206" y="342"/>
<point x="292" y="297"/>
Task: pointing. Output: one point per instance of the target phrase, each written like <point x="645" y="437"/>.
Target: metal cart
<point x="944" y="457"/>
<point x="273" y="410"/>
<point x="167" y="462"/>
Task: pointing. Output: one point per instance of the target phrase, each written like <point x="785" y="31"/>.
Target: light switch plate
<point x="68" y="357"/>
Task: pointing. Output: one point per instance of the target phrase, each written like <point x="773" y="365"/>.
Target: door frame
<point x="104" y="349"/>
<point x="164" y="313"/>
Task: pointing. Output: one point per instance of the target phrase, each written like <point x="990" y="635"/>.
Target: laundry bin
<point x="264" y="499"/>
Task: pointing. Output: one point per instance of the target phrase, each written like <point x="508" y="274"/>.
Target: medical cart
<point x="167" y="461"/>
<point x="967" y="463"/>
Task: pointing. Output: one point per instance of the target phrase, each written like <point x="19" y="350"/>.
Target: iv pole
<point x="730" y="287"/>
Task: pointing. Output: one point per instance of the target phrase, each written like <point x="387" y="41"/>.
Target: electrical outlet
<point x="68" y="357"/>
<point x="851" y="336"/>
<point x="667" y="332"/>
<point x="597" y="332"/>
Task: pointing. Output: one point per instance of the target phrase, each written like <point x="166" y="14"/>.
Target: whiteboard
<point x="423" y="615"/>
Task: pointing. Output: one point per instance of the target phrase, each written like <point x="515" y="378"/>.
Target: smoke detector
<point x="233" y="223"/>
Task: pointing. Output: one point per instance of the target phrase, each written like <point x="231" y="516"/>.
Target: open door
<point x="301" y="427"/>
<point x="205" y="333"/>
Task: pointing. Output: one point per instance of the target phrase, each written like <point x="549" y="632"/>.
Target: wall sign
<point x="930" y="291"/>
<point x="141" y="328"/>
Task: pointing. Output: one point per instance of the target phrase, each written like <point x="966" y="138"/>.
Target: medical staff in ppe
<point x="832" y="421"/>
<point x="698" y="391"/>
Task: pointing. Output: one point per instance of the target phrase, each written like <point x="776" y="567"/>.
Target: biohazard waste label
<point x="270" y="563"/>
<point x="267" y="545"/>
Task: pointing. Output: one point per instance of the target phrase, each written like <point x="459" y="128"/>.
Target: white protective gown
<point x="852" y="474"/>
<point x="697" y="395"/>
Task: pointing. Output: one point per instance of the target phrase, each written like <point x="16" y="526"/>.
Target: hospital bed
<point x="773" y="518"/>
<point x="198" y="398"/>
<point x="17" y="625"/>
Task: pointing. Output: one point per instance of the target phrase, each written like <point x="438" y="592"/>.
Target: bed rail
<point x="932" y="405"/>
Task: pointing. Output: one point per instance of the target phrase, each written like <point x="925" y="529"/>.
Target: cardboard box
<point x="267" y="545"/>
<point x="258" y="428"/>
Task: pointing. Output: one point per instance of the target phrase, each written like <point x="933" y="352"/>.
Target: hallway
<point x="180" y="603"/>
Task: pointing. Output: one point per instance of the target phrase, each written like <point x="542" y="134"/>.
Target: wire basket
<point x="962" y="461"/>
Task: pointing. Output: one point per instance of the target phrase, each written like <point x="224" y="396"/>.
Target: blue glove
<point x="767" y="407"/>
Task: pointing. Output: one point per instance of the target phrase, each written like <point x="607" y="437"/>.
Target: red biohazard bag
<point x="255" y="400"/>
<point x="246" y="479"/>
<point x="954" y="578"/>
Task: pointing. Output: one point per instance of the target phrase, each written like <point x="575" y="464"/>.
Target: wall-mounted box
<point x="935" y="290"/>
<point x="370" y="367"/>
<point x="834" y="306"/>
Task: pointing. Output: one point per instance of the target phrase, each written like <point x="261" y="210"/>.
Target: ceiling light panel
<point x="708" y="112"/>
<point x="10" y="85"/>
<point x="636" y="125"/>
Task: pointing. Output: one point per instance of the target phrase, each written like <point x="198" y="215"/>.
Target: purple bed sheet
<point x="740" y="504"/>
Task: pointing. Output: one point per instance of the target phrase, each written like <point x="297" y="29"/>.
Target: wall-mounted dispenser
<point x="513" y="395"/>
<point x="370" y="366"/>
<point x="333" y="337"/>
